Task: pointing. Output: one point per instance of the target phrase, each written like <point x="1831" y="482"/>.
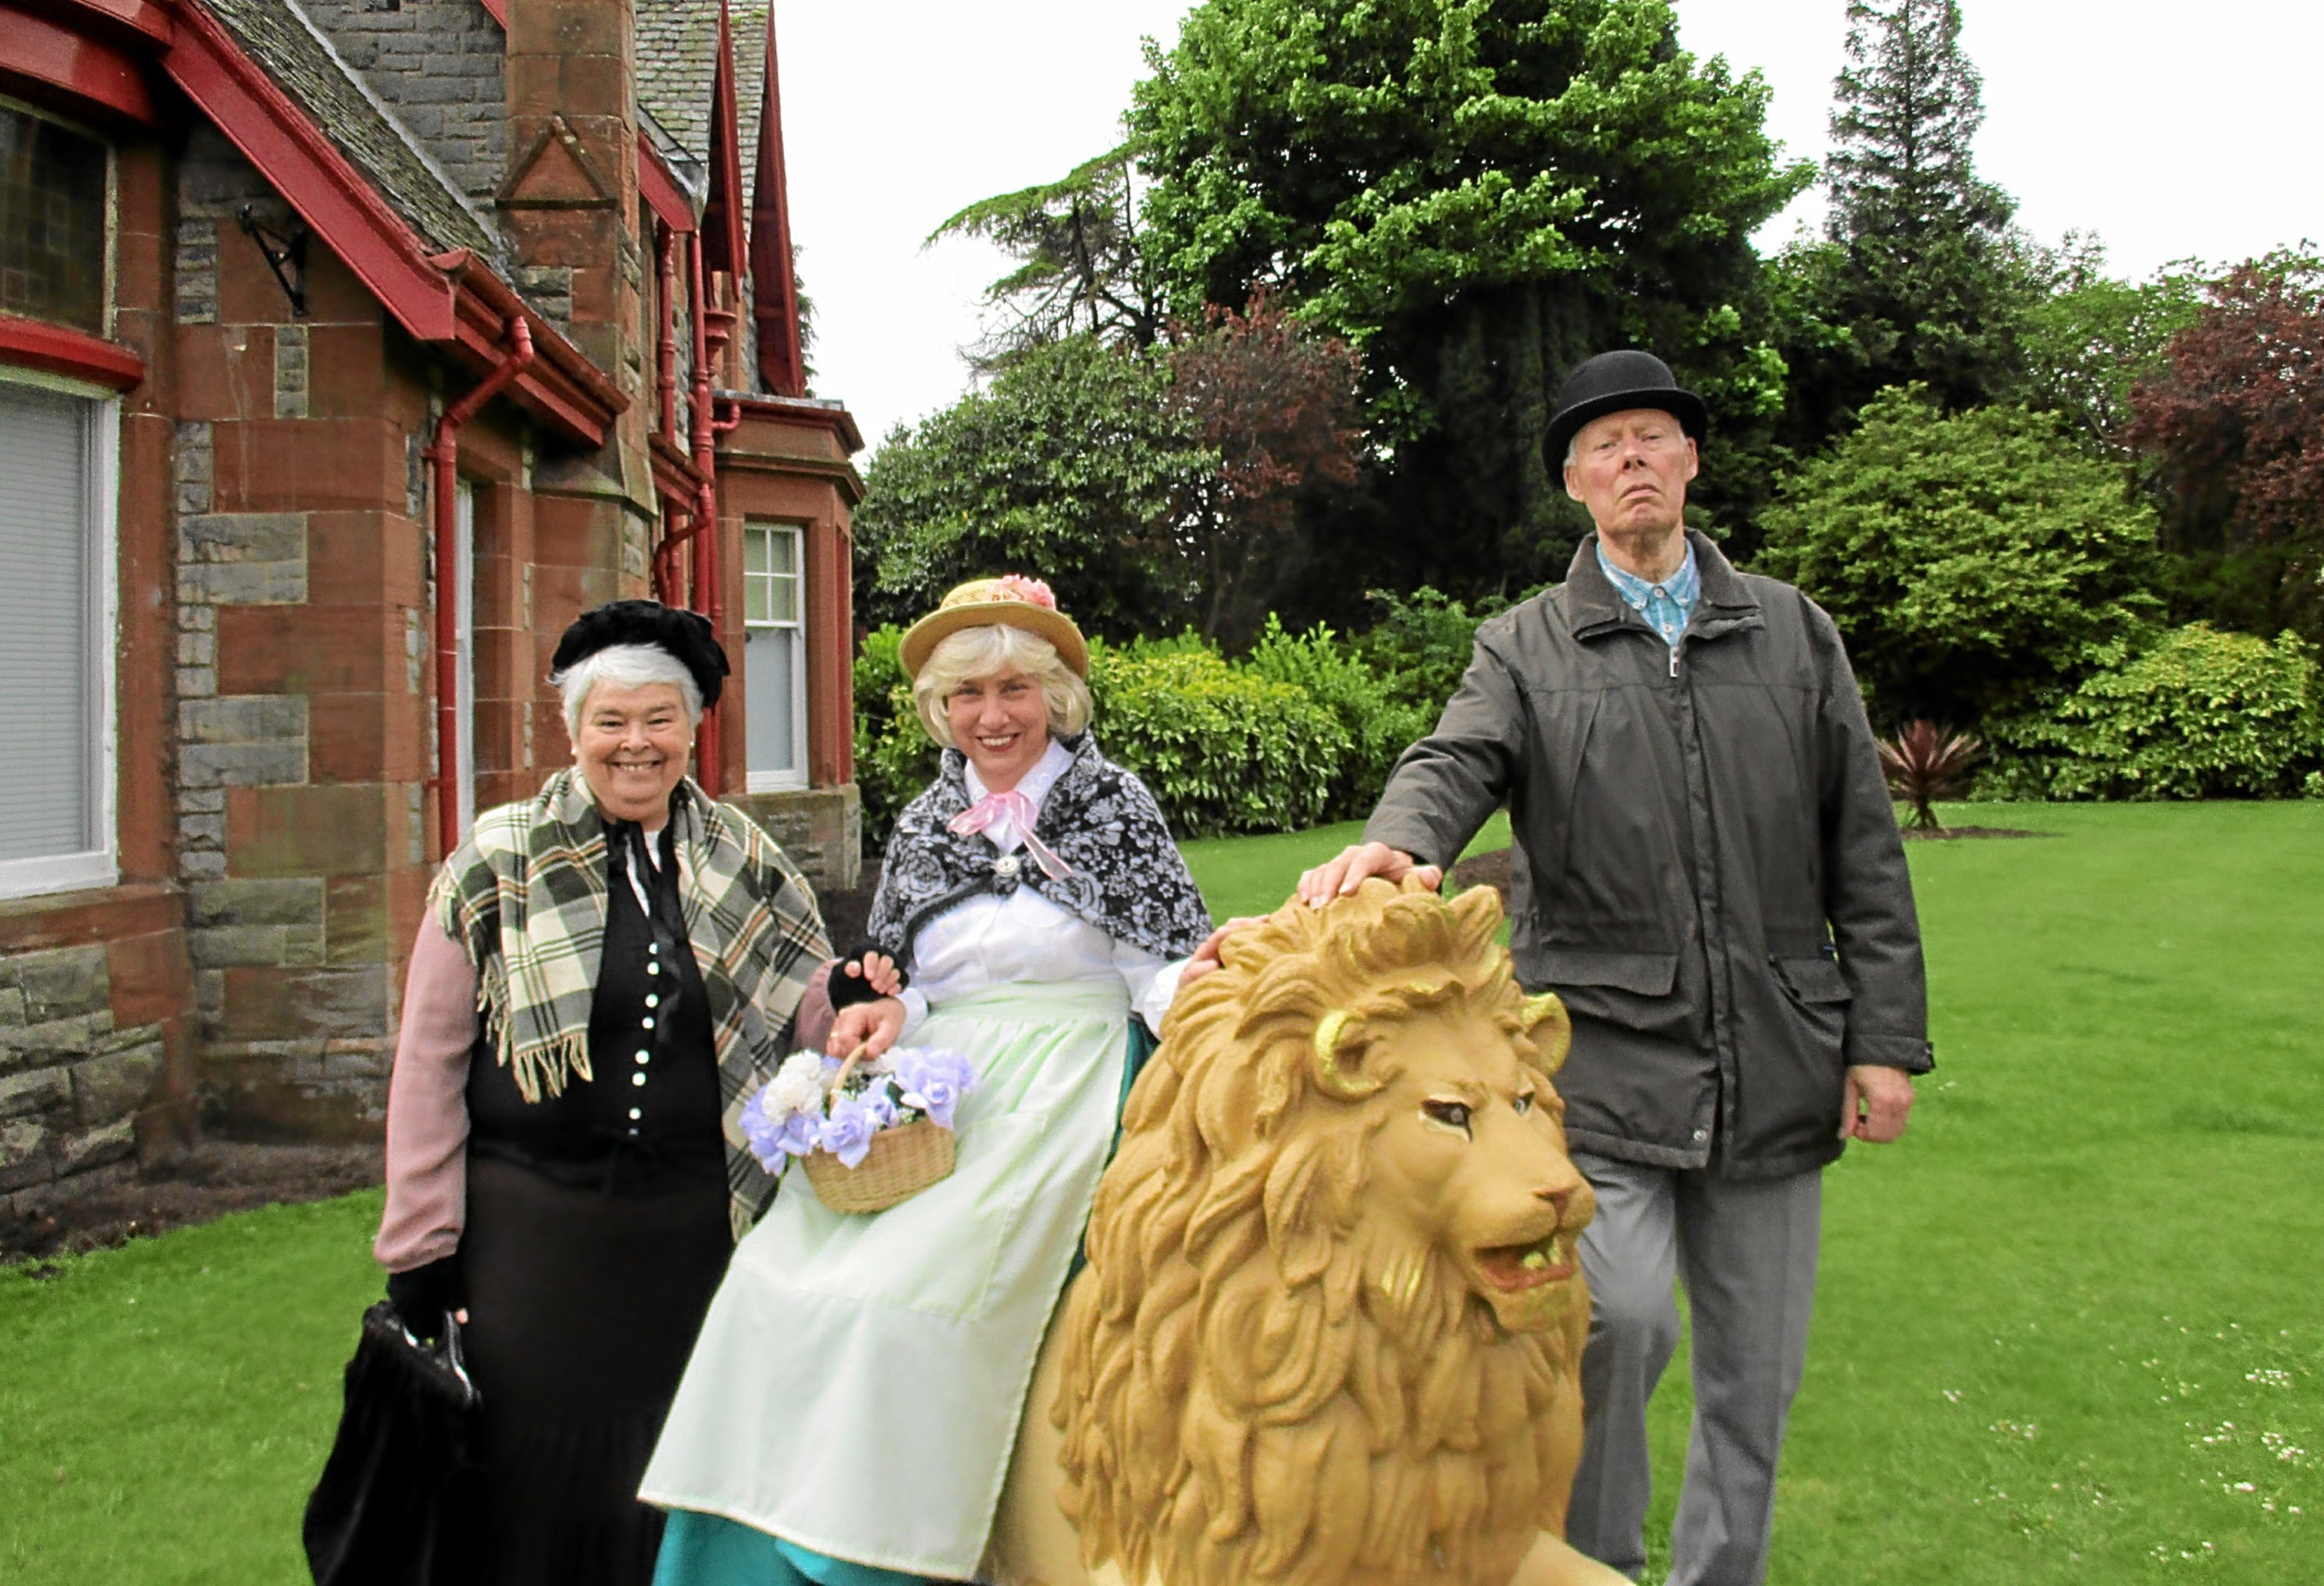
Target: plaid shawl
<point x="525" y="897"/>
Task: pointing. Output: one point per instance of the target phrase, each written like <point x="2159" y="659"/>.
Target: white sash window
<point x="59" y="456"/>
<point x="774" y="656"/>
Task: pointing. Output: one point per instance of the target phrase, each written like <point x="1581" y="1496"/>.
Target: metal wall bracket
<point x="285" y="255"/>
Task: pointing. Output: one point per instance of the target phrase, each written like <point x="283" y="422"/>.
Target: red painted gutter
<point x="445" y="453"/>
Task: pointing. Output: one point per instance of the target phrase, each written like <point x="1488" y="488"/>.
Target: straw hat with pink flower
<point x="1008" y="600"/>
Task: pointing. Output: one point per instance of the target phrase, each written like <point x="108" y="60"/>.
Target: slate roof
<point x="677" y="62"/>
<point x="280" y="37"/>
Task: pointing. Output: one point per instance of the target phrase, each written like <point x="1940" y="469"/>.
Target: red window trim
<point x="34" y="343"/>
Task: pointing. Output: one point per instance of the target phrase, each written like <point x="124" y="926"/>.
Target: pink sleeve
<point x="427" y="1107"/>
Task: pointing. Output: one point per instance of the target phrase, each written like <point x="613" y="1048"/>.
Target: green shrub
<point x="1325" y="666"/>
<point x="894" y="757"/>
<point x="2200" y="714"/>
<point x="1976" y="562"/>
<point x="1421" y="645"/>
<point x="1222" y="748"/>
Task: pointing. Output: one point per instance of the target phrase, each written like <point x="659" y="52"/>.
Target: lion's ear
<point x="1551" y="1027"/>
<point x="1339" y="1057"/>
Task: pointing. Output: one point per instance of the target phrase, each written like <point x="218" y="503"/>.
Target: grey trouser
<point x="1746" y="1250"/>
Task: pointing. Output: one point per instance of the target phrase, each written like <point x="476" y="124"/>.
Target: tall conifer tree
<point x="1922" y="274"/>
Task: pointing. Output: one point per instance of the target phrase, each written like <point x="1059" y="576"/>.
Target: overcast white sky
<point x="2170" y="129"/>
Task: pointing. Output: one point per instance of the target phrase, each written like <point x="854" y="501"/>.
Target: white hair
<point x="980" y="652"/>
<point x="625" y="666"/>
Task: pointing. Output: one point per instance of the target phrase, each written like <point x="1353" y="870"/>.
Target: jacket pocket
<point x="1632" y="990"/>
<point x="1812" y="980"/>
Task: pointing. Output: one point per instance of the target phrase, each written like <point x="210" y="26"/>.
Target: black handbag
<point x="387" y="1511"/>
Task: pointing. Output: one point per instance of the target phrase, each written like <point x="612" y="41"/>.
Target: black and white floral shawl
<point x="1124" y="874"/>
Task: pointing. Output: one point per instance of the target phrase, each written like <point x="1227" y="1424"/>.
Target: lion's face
<point x="1470" y="1159"/>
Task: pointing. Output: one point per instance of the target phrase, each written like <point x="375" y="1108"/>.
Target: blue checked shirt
<point x="1665" y="605"/>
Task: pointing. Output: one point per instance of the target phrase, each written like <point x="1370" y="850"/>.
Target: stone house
<point x="349" y="348"/>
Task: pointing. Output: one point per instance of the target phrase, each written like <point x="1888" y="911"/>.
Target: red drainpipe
<point x="445" y="453"/>
<point x="708" y="762"/>
<point x="666" y="352"/>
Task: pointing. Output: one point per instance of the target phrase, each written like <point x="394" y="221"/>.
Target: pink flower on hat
<point x="1017" y="586"/>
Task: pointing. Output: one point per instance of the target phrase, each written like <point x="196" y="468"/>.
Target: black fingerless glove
<point x="424" y="1295"/>
<point x="845" y="990"/>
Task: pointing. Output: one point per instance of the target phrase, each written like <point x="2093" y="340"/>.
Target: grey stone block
<point x="233" y="946"/>
<point x="12" y="1006"/>
<point x="298" y="900"/>
<point x="241" y="765"/>
<point x="42" y="1090"/>
<point x="112" y="1087"/>
<point x="25" y="1154"/>
<point x="198" y="867"/>
<point x="242" y="718"/>
<point x="245" y="584"/>
<point x="82" y="1149"/>
<point x="245" y="537"/>
<point x="63" y="983"/>
<point x="202" y="831"/>
<point x="55" y="1042"/>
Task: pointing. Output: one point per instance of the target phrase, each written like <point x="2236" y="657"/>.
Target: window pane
<point x="782" y="544"/>
<point x="47" y="710"/>
<point x="771" y="662"/>
<point x="755" y="551"/>
<point x="52" y="223"/>
<point x="783" y="600"/>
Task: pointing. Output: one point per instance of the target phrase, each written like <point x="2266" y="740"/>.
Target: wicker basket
<point x="902" y="1162"/>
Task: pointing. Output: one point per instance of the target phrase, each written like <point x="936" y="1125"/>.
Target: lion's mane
<point x="1262" y="1384"/>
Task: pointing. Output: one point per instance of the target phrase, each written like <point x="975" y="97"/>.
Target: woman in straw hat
<point x="849" y="1412"/>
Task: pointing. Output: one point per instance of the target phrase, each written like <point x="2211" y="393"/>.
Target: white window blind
<point x="55" y="531"/>
<point x="774" y="656"/>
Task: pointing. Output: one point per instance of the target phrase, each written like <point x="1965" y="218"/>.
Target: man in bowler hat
<point x="1707" y="870"/>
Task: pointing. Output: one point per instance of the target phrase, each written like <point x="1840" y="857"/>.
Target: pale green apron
<point x="858" y="1382"/>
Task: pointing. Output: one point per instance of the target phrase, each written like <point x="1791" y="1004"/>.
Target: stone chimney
<point x="570" y="205"/>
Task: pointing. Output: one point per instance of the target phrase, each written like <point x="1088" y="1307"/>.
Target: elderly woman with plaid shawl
<point x="607" y="970"/>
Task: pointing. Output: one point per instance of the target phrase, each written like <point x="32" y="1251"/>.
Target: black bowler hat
<point x="1616" y="382"/>
<point x="685" y="635"/>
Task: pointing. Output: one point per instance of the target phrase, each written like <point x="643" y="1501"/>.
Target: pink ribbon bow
<point x="992" y="809"/>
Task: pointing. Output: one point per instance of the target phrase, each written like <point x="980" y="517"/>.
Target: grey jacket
<point x="1706" y="868"/>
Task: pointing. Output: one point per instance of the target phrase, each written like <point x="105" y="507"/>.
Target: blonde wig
<point x="980" y="652"/>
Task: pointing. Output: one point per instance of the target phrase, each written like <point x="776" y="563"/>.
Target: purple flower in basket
<point x="847" y="1131"/>
<point x="933" y="1079"/>
<point x="880" y="1100"/>
<point x="762" y="1134"/>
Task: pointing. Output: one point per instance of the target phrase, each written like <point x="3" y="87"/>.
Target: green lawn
<point x="2073" y="1330"/>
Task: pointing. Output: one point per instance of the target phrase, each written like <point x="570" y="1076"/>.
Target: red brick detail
<point x="355" y="649"/>
<point x="301" y="831"/>
<point x="75" y="920"/>
<point x="152" y="983"/>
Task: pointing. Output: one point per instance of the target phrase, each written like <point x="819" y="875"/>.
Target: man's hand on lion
<point x="1873" y="1107"/>
<point x="1339" y="877"/>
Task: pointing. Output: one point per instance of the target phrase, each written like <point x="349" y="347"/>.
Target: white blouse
<point x="989" y="940"/>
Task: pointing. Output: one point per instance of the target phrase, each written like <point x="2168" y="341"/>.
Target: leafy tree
<point x="1277" y="404"/>
<point x="1921" y="277"/>
<point x="1971" y="560"/>
<point x="1080" y="268"/>
<point x="2090" y="338"/>
<point x="1066" y="468"/>
<point x="1476" y="194"/>
<point x="2234" y="425"/>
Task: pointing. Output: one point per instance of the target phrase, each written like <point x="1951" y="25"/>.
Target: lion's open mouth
<point x="1512" y="1268"/>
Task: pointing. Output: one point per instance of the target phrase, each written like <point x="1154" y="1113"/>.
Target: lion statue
<point x="1330" y="1327"/>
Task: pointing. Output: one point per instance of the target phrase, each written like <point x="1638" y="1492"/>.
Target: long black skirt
<point x="583" y="1307"/>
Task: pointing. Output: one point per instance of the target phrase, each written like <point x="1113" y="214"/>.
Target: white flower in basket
<point x="871" y="1134"/>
